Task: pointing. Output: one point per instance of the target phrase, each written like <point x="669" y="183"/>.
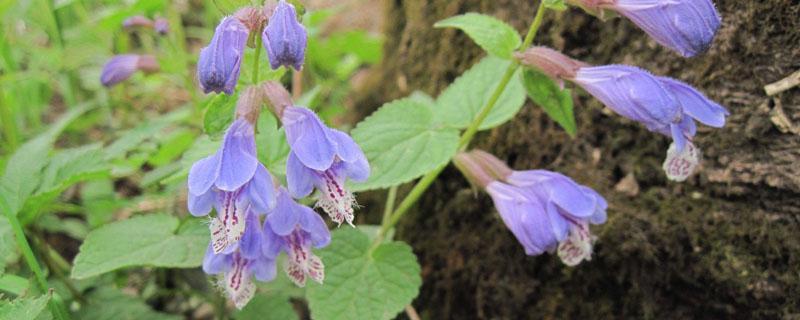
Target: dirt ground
<point x="724" y="244"/>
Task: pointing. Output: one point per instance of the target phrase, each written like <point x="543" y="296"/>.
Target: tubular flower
<point x="662" y="104"/>
<point x="324" y="158"/>
<point x="546" y="211"/>
<point x="219" y="62"/>
<point x="686" y="26"/>
<point x="122" y="67"/>
<point x="241" y="266"/>
<point x="285" y="38"/>
<point x="294" y="228"/>
<point x="161" y="26"/>
<point x="233" y="182"/>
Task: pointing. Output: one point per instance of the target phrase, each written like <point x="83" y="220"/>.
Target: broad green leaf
<point x="463" y="100"/>
<point x="24" y="168"/>
<point x="558" y="5"/>
<point x="202" y="147"/>
<point x="495" y="36"/>
<point x="13" y="284"/>
<point x="107" y="303"/>
<point x="273" y="149"/>
<point x="172" y="146"/>
<point x="134" y="137"/>
<point x="556" y="102"/>
<point x="23" y="309"/>
<point x="149" y="240"/>
<point x="267" y="307"/>
<point x="219" y="114"/>
<point x="8" y="246"/>
<point x="361" y="283"/>
<point x="402" y="141"/>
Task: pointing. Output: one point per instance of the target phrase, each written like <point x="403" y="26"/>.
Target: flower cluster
<point x="256" y="219"/>
<point x="662" y="104"/>
<point x="546" y="211"/>
<point x="121" y="67"/>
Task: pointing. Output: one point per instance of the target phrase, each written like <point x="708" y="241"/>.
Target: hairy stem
<point x="425" y="182"/>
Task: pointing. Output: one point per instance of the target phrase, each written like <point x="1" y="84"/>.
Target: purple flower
<point x="294" y="228"/>
<point x="241" y="266"/>
<point x="233" y="182"/>
<point x="218" y="66"/>
<point x="119" y="69"/>
<point x="285" y="38"/>
<point x="686" y="26"/>
<point x="137" y="21"/>
<point x="547" y="210"/>
<point x="161" y="26"/>
<point x="664" y="105"/>
<point x="324" y="158"/>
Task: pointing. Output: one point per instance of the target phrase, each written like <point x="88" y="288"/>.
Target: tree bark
<point x="724" y="244"/>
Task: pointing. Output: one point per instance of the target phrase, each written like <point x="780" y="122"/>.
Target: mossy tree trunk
<point x="724" y="244"/>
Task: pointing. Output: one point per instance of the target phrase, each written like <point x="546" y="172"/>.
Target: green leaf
<point x="219" y="114"/>
<point x="228" y="7"/>
<point x="13" y="284"/>
<point x="556" y="102"/>
<point x="172" y="147"/>
<point x="361" y="283"/>
<point x="8" y="246"/>
<point x="495" y="36"/>
<point x="461" y="102"/>
<point x="402" y="141"/>
<point x="110" y="304"/>
<point x="202" y="147"/>
<point x="268" y="307"/>
<point x="23" y="309"/>
<point x="134" y="137"/>
<point x="557" y="5"/>
<point x="150" y="240"/>
<point x="273" y="149"/>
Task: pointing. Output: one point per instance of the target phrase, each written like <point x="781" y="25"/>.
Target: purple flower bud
<point x="322" y="158"/>
<point x="294" y="228"/>
<point x="137" y="21"/>
<point x="122" y="67"/>
<point x="218" y="66"/>
<point x="241" y="266"/>
<point x="233" y="182"/>
<point x="686" y="26"/>
<point x="285" y="38"/>
<point x="554" y="64"/>
<point x="161" y="26"/>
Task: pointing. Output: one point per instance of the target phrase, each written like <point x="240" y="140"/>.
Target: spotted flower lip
<point x="219" y="62"/>
<point x="685" y="26"/>
<point x="284" y="38"/>
<point x="240" y="266"/>
<point x="294" y="229"/>
<point x="322" y="158"/>
<point x="233" y="182"/>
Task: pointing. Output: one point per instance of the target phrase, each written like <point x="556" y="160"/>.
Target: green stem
<point x="56" y="306"/>
<point x="390" y="198"/>
<point x="257" y="59"/>
<point x="426" y="181"/>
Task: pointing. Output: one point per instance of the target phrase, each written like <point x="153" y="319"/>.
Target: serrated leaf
<point x="267" y="307"/>
<point x="150" y="240"/>
<point x="463" y="100"/>
<point x="110" y="304"/>
<point x="493" y="35"/>
<point x="219" y="114"/>
<point x="361" y="283"/>
<point x="558" y="5"/>
<point x="556" y="102"/>
<point x="402" y="141"/>
<point x="23" y="309"/>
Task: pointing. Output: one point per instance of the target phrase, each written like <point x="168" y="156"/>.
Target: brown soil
<point x="724" y="244"/>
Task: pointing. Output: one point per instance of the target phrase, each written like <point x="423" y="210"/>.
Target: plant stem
<point x="390" y="198"/>
<point x="423" y="184"/>
<point x="257" y="59"/>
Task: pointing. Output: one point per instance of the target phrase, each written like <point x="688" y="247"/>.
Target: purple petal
<point x="285" y="38"/>
<point x="264" y="269"/>
<point x="238" y="162"/>
<point x="219" y="62"/>
<point x="299" y="178"/>
<point x="272" y="244"/>
<point x="261" y="191"/>
<point x="201" y="205"/>
<point x="119" y="69"/>
<point x="599" y="216"/>
<point x="284" y="218"/>
<point x="695" y="104"/>
<point x="312" y="223"/>
<point x="203" y="174"/>
<point x="350" y="153"/>
<point x="251" y="243"/>
<point x="308" y="138"/>
<point x="559" y="225"/>
<point x="678" y="137"/>
<point x="215" y="263"/>
<point x="524" y="215"/>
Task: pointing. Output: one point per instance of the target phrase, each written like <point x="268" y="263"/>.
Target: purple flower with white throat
<point x="285" y="38"/>
<point x="324" y="158"/>
<point x="686" y="26"/>
<point x="546" y="211"/>
<point x="241" y="266"/>
<point x="233" y="182"/>
<point x="219" y="62"/>
<point x="294" y="229"/>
